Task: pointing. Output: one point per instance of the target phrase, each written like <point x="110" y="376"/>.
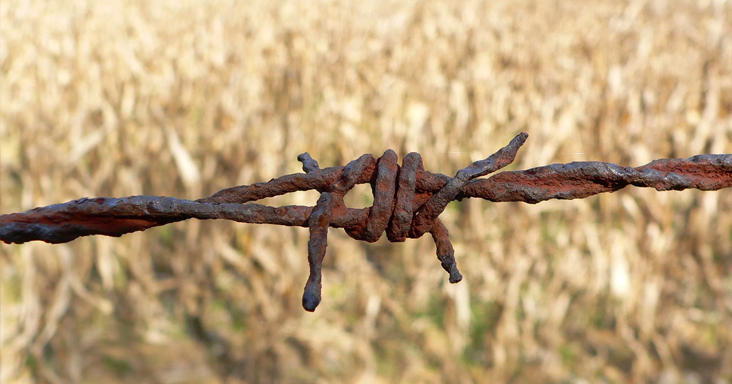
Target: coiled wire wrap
<point x="397" y="209"/>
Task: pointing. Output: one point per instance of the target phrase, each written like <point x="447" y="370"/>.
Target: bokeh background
<point x="184" y="98"/>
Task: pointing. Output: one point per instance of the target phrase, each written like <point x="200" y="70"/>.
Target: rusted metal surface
<point x="407" y="200"/>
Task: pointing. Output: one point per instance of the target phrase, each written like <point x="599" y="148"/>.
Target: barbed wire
<point x="407" y="200"/>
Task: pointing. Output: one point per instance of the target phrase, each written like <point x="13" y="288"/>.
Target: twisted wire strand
<point x="407" y="200"/>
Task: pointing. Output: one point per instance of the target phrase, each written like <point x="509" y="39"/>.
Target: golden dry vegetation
<point x="184" y="98"/>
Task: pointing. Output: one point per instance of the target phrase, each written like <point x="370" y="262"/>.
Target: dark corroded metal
<point x="407" y="200"/>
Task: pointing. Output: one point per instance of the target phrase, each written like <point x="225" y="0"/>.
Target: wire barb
<point x="407" y="200"/>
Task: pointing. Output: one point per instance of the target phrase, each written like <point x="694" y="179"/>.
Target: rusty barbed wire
<point x="407" y="200"/>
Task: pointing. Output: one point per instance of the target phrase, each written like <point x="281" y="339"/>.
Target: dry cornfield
<point x="184" y="98"/>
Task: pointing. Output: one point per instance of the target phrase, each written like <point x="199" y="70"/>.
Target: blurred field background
<point x="184" y="98"/>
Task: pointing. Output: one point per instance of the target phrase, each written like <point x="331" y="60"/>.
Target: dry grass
<point x="183" y="98"/>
